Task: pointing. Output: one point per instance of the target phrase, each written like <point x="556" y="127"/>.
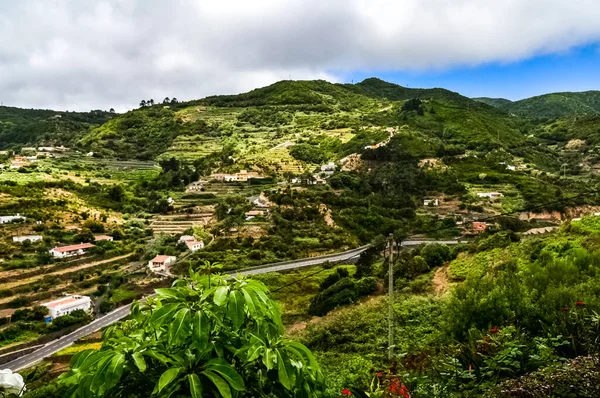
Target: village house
<point x="431" y="202"/>
<point x="242" y="176"/>
<point x="491" y="195"/>
<point x="254" y="213"/>
<point x="28" y="149"/>
<point x="196" y="186"/>
<point x="31" y="238"/>
<point x="161" y="263"/>
<point x="66" y="305"/>
<point x="18" y="162"/>
<point x="194" y="245"/>
<point x="71" y="251"/>
<point x="479" y="226"/>
<point x="100" y="238"/>
<point x="9" y="219"/>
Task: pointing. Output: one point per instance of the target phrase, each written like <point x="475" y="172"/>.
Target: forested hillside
<point x="550" y="106"/>
<point x="26" y="127"/>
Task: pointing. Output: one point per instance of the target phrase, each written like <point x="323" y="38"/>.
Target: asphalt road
<point x="122" y="312"/>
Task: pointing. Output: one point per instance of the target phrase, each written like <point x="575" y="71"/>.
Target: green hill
<point x="501" y="103"/>
<point x="22" y="127"/>
<point x="550" y="106"/>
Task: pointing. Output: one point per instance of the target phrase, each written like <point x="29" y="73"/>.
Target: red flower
<point x="379" y="375"/>
<point x="565" y="308"/>
<point x="494" y="330"/>
<point x="580" y="304"/>
<point x="346" y="392"/>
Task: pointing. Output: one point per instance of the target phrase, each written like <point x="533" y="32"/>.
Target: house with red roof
<point x="161" y="263"/>
<point x="71" y="251"/>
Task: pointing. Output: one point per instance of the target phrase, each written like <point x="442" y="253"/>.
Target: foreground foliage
<point x="203" y="337"/>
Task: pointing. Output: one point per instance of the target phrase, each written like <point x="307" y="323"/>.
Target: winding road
<point x="122" y="312"/>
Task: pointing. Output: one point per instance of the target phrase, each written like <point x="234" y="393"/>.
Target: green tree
<point x="206" y="336"/>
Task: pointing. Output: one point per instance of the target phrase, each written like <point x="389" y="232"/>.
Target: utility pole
<point x="391" y="297"/>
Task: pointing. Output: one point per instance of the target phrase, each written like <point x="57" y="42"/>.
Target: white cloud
<point x="83" y="54"/>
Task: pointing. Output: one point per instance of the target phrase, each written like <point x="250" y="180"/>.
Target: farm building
<point x="431" y="202"/>
<point x="31" y="238"/>
<point x="100" y="238"/>
<point x="66" y="305"/>
<point x="161" y="263"/>
<point x="254" y="213"/>
<point x="196" y="186"/>
<point x="8" y="219"/>
<point x="70" y="251"/>
<point x="194" y="245"/>
<point x="328" y="167"/>
<point x="479" y="226"/>
<point x="491" y="195"/>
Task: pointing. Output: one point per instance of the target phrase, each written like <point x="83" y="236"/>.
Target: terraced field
<point x="177" y="224"/>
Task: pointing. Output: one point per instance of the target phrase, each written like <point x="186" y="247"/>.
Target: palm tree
<point x="151" y="102"/>
<point x="166" y="100"/>
<point x="142" y="103"/>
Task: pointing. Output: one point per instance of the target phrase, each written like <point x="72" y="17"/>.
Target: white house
<point x="259" y="200"/>
<point x="328" y="167"/>
<point x="66" y="305"/>
<point x="194" y="245"/>
<point x="431" y="202"/>
<point x="31" y="238"/>
<point x="70" y="251"/>
<point x="161" y="263"/>
<point x="7" y="219"/>
<point x="100" y="238"/>
<point x="491" y="195"/>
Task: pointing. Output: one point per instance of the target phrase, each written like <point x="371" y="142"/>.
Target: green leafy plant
<point x="206" y="336"/>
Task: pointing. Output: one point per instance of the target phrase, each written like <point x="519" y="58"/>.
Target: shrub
<point x="366" y="286"/>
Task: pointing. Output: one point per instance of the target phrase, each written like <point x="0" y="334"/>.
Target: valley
<point x="302" y="169"/>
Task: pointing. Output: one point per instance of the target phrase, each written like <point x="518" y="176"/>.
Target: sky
<point x="102" y="54"/>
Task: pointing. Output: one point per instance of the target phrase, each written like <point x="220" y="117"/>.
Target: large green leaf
<point x="195" y="386"/>
<point x="171" y="293"/>
<point x="114" y="371"/>
<point x="180" y="328"/>
<point x="166" y="378"/>
<point x="163" y="314"/>
<point x="221" y="384"/>
<point x="220" y="297"/>
<point x="139" y="361"/>
<point x="226" y="371"/>
<point x="101" y="374"/>
<point x="201" y="330"/>
<point x="235" y="308"/>
<point x="283" y="368"/>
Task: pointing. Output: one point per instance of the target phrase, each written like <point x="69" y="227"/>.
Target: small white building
<point x="66" y="305"/>
<point x="100" y="238"/>
<point x="71" y="251"/>
<point x="431" y="202"/>
<point x="31" y="238"/>
<point x="194" y="245"/>
<point x="491" y="195"/>
<point x="8" y="219"/>
<point x="328" y="167"/>
<point x="161" y="263"/>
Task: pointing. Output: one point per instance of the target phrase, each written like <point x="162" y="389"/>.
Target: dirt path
<point x="441" y="282"/>
<point x="327" y="215"/>
<point x="64" y="271"/>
